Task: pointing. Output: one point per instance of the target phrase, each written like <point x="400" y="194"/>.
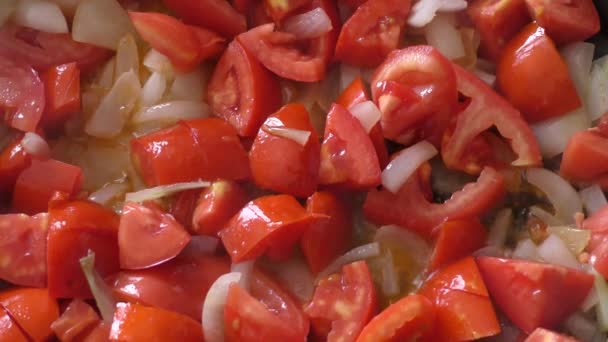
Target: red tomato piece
<point x="38" y="182"/>
<point x="343" y="303"/>
<point x="135" y="322"/>
<point x="147" y="236"/>
<point x="348" y="156"/>
<point x="13" y="160"/>
<point x="280" y="164"/>
<point x="75" y="227"/>
<point x="585" y="157"/>
<point x="335" y="231"/>
<point x="62" y="90"/>
<point x="77" y="318"/>
<point x="457" y="239"/>
<point x="23" y="249"/>
<point x="487" y="109"/>
<point x="463" y="307"/>
<point x="415" y="89"/>
<point x="242" y="91"/>
<point x="211" y="44"/>
<point x="534" y="77"/>
<point x="216" y="206"/>
<point x="544" y="335"/>
<point x="9" y="330"/>
<point x="269" y="224"/>
<point x="497" y="22"/>
<point x="32" y="309"/>
<point x="98" y="333"/>
<point x="324" y="46"/>
<point x="566" y="22"/>
<point x="21" y="94"/>
<point x="532" y="294"/>
<point x="279" y="9"/>
<point x="598" y="245"/>
<point x="410" y="319"/>
<point x="216" y="15"/>
<point x="189" y="151"/>
<point x="372" y="32"/>
<point x="182" y="207"/>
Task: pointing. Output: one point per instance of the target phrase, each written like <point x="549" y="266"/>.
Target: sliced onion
<point x="583" y="328"/>
<point x="390" y="276"/>
<point x="113" y="111"/>
<point x="171" y="112"/>
<point x="7" y="8"/>
<point x="163" y="191"/>
<point x="553" y="250"/>
<point x="601" y="287"/>
<point x="545" y="216"/>
<point x="593" y="198"/>
<point x="452" y="5"/>
<point x="575" y="239"/>
<point x="105" y="79"/>
<point x="500" y="227"/>
<point x="127" y="56"/>
<point x="526" y="249"/>
<point x="40" y="15"/>
<point x="201" y="245"/>
<point x="553" y="134"/>
<point x="597" y="91"/>
<point x="399" y="170"/>
<point x="109" y="192"/>
<point x="558" y="191"/>
<point x="367" y="113"/>
<point x="416" y="246"/>
<point x="188" y="86"/>
<point x="488" y="78"/>
<point x="579" y="56"/>
<point x="297" y="135"/>
<point x="591" y="300"/>
<point x="311" y="24"/>
<point x="442" y="34"/>
<point x="245" y="269"/>
<point x="101" y="22"/>
<point x="153" y="89"/>
<point x="423" y="12"/>
<point x="295" y="275"/>
<point x="35" y="145"/>
<point x="101" y="291"/>
<point x="68" y="7"/>
<point x="157" y="62"/>
<point x="213" y="307"/>
<point x="367" y="251"/>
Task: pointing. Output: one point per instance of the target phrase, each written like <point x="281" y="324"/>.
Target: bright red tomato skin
<point x="455" y="240"/>
<point x="62" y="91"/>
<point x="13" y="160"/>
<point x="216" y="206"/>
<point x="32" y="309"/>
<point x="216" y="15"/>
<point x="75" y="319"/>
<point x="566" y="22"/>
<point x="210" y="44"/>
<point x="21" y="95"/>
<point x="585" y="158"/>
<point x="9" y="330"/>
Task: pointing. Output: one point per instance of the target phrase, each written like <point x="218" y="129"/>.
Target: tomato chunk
<point x="544" y="335"/>
<point x="566" y="22"/>
<point x="532" y="294"/>
<point x="216" y="206"/>
<point x="21" y="94"/>
<point x="77" y="318"/>
<point x="62" y="91"/>
<point x="585" y="157"/>
<point x="216" y="15"/>
<point x="598" y="244"/>
<point x="457" y="239"/>
<point x="32" y="309"/>
<point x="13" y="160"/>
<point x="9" y="330"/>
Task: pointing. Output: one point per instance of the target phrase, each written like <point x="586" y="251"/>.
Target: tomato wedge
<point x="566" y="22"/>
<point x="216" y="15"/>
<point x="21" y="94"/>
<point x="455" y="240"/>
<point x="216" y="206"/>
<point x="13" y="160"/>
<point x="585" y="157"/>
<point x="77" y="318"/>
<point x="9" y="330"/>
<point x="62" y="91"/>
<point x="544" y="335"/>
<point x="32" y="309"/>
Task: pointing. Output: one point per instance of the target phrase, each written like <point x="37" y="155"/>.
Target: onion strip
<point x="212" y="317"/>
<point x="559" y="192"/>
<point x="367" y="113"/>
<point x="163" y="191"/>
<point x="311" y="24"/>
<point x="399" y="170"/>
<point x="367" y="251"/>
<point x="593" y="198"/>
<point x="296" y="135"/>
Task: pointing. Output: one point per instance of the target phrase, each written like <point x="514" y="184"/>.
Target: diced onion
<point x="423" y="11"/>
<point x="311" y="24"/>
<point x="579" y="56"/>
<point x="157" y="62"/>
<point x="100" y="290"/>
<point x="583" y="328"/>
<point x="153" y="89"/>
<point x="559" y="192"/>
<point x="553" y="250"/>
<point x="591" y="300"/>
<point x="105" y="79"/>
<point x="526" y="249"/>
<point x="109" y="192"/>
<point x="163" y="191"/>
<point x="390" y="276"/>
<point x="188" y="86"/>
<point x="201" y="245"/>
<point x="601" y="287"/>
<point x="593" y="198"/>
<point x="113" y="111"/>
<point x="405" y="164"/>
<point x="443" y="35"/>
<point x="127" y="56"/>
<point x="415" y="245"/>
<point x="597" y="91"/>
<point x="545" y="216"/>
<point x="213" y="307"/>
<point x="500" y="227"/>
<point x="553" y="134"/>
<point x="171" y="112"/>
<point x="101" y="22"/>
<point x="35" y="145"/>
<point x="245" y="269"/>
<point x="452" y="5"/>
<point x="7" y="8"/>
<point x="40" y="15"/>
<point x="68" y="7"/>
<point x="295" y="275"/>
<point x="367" y="251"/>
<point x="297" y="135"/>
<point x="367" y="113"/>
<point x="575" y="239"/>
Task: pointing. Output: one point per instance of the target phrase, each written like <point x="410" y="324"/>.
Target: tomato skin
<point x="77" y="318"/>
<point x="544" y="335"/>
<point x="32" y="309"/>
<point x="281" y="164"/>
<point x="216" y="206"/>
<point x="62" y="94"/>
<point x="585" y="158"/>
<point x="13" y="160"/>
<point x="22" y="95"/>
<point x="566" y="22"/>
<point x="534" y="78"/>
<point x="551" y="293"/>
<point x="98" y="333"/>
<point x="210" y="149"/>
<point x="38" y="182"/>
<point x="409" y="319"/>
<point x="211" y="44"/>
<point x="136" y="322"/>
<point x="598" y="244"/>
<point x="372" y="32"/>
<point x="216" y="15"/>
<point x="457" y="239"/>
<point x="9" y="330"/>
<point x="242" y="91"/>
<point x="75" y="227"/>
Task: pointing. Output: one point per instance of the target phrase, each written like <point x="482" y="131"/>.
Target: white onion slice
<point x="201" y="245"/>
<point x="297" y="135"/>
<point x="367" y="251"/>
<point x="601" y="287"/>
<point x="593" y="198"/>
<point x="245" y="269"/>
<point x="597" y="91"/>
<point x="575" y="239"/>
<point x="443" y="35"/>
<point x="295" y="275"/>
<point x="127" y="56"/>
<point x="423" y="12"/>
<point x="413" y="243"/>
<point x="405" y="164"/>
<point x="105" y="79"/>
<point x="188" y="86"/>
<point x="99" y="288"/>
<point x="452" y="5"/>
<point x="311" y="24"/>
<point x="157" y="62"/>
<point x="101" y="22"/>
<point x="526" y="249"/>
<point x="559" y="192"/>
<point x="583" y="328"/>
<point x="390" y="276"/>
<point x="68" y="7"/>
<point x="545" y="216"/>
<point x="367" y="113"/>
<point x="113" y="111"/>
<point x="163" y="191"/>
<point x="108" y="192"/>
<point x="171" y="112"/>
<point x="40" y="15"/>
<point x="7" y="8"/>
<point x="553" y="134"/>
<point x="35" y="145"/>
<point x="579" y="56"/>
<point x="591" y="300"/>
<point x="213" y="307"/>
<point x="553" y="250"/>
<point x="153" y="89"/>
<point x="500" y="227"/>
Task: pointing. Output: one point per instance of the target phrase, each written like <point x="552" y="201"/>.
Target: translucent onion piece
<point x="213" y="307"/>
<point x="7" y="8"/>
<point x="157" y="62"/>
<point x="127" y="56"/>
<point x="100" y="290"/>
<point x="452" y="5"/>
<point x="442" y="34"/>
<point x="109" y="192"/>
<point x="367" y="113"/>
<point x="295" y="275"/>
<point x="583" y="328"/>
<point x="68" y="7"/>
<point x="601" y="287"/>
<point x="553" y="250"/>
<point x="591" y="300"/>
<point x="579" y="56"/>
<point x="575" y="239"/>
<point x="597" y="91"/>
<point x="311" y="24"/>
<point x="553" y="134"/>
<point x="500" y="227"/>
<point x="559" y="192"/>
<point x="153" y="89"/>
<point x="405" y="164"/>
<point x="367" y="251"/>
<point x="390" y="276"/>
<point x="113" y="111"/>
<point x="545" y="216"/>
<point x="172" y="112"/>
<point x="188" y="86"/>
<point x="593" y="198"/>
<point x="101" y="22"/>
<point x="526" y="249"/>
<point x="40" y="15"/>
<point x="415" y="245"/>
<point x="35" y="145"/>
<point x="163" y="191"/>
<point x="423" y="12"/>
<point x="297" y="135"/>
<point x="245" y="269"/>
<point x="105" y="79"/>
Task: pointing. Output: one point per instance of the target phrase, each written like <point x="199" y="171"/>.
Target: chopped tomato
<point x="271" y="224"/>
<point x="13" y="160"/>
<point x="23" y="249"/>
<point x="532" y="294"/>
<point x="211" y="45"/>
<point x="279" y="9"/>
<point x="534" y="78"/>
<point x="568" y="21"/>
<point x="32" y="309"/>
<point x="372" y="32"/>
<point x="190" y="150"/>
<point x="98" y="333"/>
<point x="585" y="157"/>
<point x="324" y="46"/>
<point x="216" y="15"/>
<point x="21" y="94"/>
<point x="182" y="206"/>
<point x="216" y="206"/>
<point x="411" y="318"/>
<point x="598" y="244"/>
<point x="343" y="303"/>
<point x="463" y="307"/>
<point x="544" y="335"/>
<point x="62" y="90"/>
<point x="328" y="238"/>
<point x="348" y="156"/>
<point x="77" y="318"/>
<point x="75" y="227"/>
<point x="457" y="239"/>
<point x="281" y="164"/>
<point x="147" y="236"/>
<point x="38" y="182"/>
<point x="242" y="91"/>
<point x="9" y="330"/>
<point x="487" y="109"/>
<point x="135" y="322"/>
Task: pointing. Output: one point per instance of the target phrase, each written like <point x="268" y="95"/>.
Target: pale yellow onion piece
<point x="593" y="198"/>
<point x="127" y="56"/>
<point x="579" y="57"/>
<point x="153" y="90"/>
<point x="212" y="316"/>
<point x="109" y="192"/>
<point x="560" y="193"/>
<point x="35" y="145"/>
<point x="554" y="251"/>
<point x="68" y="7"/>
<point x="416" y="246"/>
<point x="40" y="15"/>
<point x="163" y="191"/>
<point x="367" y="113"/>
<point x="188" y="86"/>
<point x="157" y="62"/>
<point x="171" y="112"/>
<point x="101" y="22"/>
<point x="526" y="250"/>
<point x="7" y="8"/>
<point x="553" y="134"/>
<point x="116" y="106"/>
<point x="399" y="170"/>
<point x="362" y="252"/>
<point x="442" y="34"/>
<point x="105" y="79"/>
<point x="575" y="239"/>
<point x="297" y="135"/>
<point x="596" y="100"/>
